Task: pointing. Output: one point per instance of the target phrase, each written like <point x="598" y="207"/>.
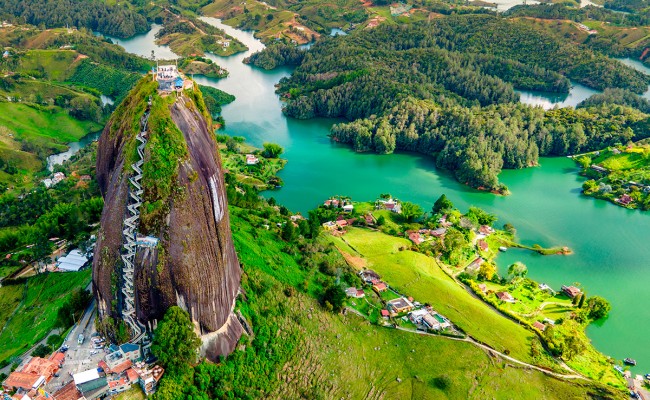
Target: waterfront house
<point x="506" y="297"/>
<point x="600" y="169"/>
<point x="348" y="208"/>
<point x="624" y="199"/>
<point x="571" y="291"/>
<point x="485" y="230"/>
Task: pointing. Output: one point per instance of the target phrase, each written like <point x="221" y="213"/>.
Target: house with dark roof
<point x="368" y="275"/>
<point x="400" y="305"/>
<point x="131" y="351"/>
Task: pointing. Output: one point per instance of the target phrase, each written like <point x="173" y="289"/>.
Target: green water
<point x="611" y="259"/>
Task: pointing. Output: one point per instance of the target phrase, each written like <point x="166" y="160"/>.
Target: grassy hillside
<point x="422" y="278"/>
<point x="299" y="350"/>
<point x="29" y="309"/>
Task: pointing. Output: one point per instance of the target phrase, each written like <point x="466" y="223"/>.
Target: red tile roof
<point x="385" y="313"/>
<point x="539" y="325"/>
<point x="68" y="392"/>
<point x="21" y="380"/>
<point x="41" y="366"/>
<point x="132" y="375"/>
<point x="379" y="286"/>
<point x="58" y="358"/>
<point x="505" y="296"/>
<point x="118" y="369"/>
<point x="102" y="364"/>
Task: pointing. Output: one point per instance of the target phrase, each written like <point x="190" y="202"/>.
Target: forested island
<point x="446" y="89"/>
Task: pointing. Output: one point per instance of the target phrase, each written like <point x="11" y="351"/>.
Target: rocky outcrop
<point x="194" y="265"/>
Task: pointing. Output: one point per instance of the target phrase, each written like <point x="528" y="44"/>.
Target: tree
<point x="41" y="350"/>
<point x="486" y="271"/>
<point x="411" y="211"/>
<point x="589" y="186"/>
<point x="517" y="269"/>
<point x="510" y="229"/>
<point x="334" y="296"/>
<point x="598" y="307"/>
<point x="442" y="204"/>
<point x="288" y="232"/>
<point x="272" y="150"/>
<point x="175" y="343"/>
<point x="581" y="303"/>
<point x="232" y="145"/>
<point x="381" y="220"/>
<point x="480" y="216"/>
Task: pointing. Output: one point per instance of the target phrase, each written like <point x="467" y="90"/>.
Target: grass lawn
<point x="638" y="157"/>
<point x="40" y="297"/>
<point x="135" y="393"/>
<point x="51" y="129"/>
<point x="419" y="276"/>
<point x="55" y="65"/>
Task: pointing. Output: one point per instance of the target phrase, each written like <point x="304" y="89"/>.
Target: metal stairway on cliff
<point x="130" y="225"/>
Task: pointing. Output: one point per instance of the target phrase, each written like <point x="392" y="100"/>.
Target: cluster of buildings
<point x="423" y="235"/>
<point x="28" y="382"/>
<point x="121" y="368"/>
<point x="56" y="178"/>
<point x="389" y="204"/>
<point x="345" y="205"/>
<point x="424" y="317"/>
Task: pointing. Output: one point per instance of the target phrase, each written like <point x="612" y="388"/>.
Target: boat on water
<point x="618" y="368"/>
<point x="630" y="361"/>
<point x="503" y="248"/>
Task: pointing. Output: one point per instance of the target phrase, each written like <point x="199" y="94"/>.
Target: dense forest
<point x="276" y="55"/>
<point x="446" y="89"/>
<point x="476" y="143"/>
<point x="560" y="11"/>
<point x="92" y="14"/>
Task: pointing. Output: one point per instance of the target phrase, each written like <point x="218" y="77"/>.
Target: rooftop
<point x="85" y="376"/>
<point x="41" y="366"/>
<point x="22" y="380"/>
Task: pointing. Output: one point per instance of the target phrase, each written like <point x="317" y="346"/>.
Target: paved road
<point x="79" y="357"/>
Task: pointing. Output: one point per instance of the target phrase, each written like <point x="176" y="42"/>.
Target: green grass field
<point x="54" y="65"/>
<point x="29" y="310"/>
<point x="51" y="128"/>
<point x="419" y="276"/>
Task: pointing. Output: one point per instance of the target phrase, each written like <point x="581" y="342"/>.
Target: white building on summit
<point x="168" y="78"/>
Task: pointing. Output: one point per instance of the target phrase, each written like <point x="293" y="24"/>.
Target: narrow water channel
<point x="611" y="253"/>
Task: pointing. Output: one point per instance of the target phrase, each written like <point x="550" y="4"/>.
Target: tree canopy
<point x="175" y="343"/>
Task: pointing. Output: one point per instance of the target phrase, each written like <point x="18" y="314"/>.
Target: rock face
<point x="194" y="265"/>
